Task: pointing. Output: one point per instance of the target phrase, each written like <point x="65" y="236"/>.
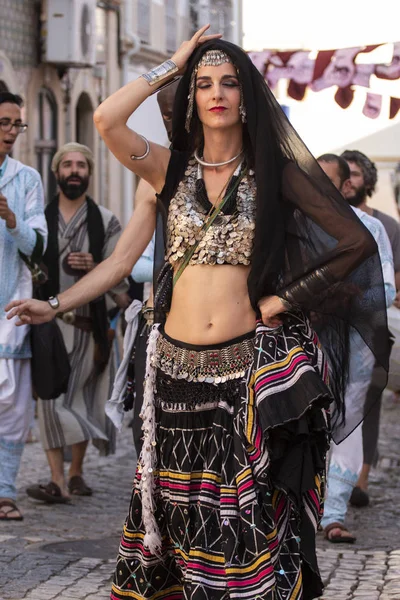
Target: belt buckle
<point x="69" y="317"/>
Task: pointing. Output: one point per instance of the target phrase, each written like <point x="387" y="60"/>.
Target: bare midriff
<point x="210" y="305"/>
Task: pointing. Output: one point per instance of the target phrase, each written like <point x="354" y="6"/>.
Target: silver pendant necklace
<point x="203" y="163"/>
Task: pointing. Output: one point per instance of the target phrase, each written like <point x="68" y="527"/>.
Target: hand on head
<point x="186" y="49"/>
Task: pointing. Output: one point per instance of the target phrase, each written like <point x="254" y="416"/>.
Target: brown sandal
<point x="338" y="539"/>
<point x="13" y="508"/>
<point x="78" y="487"/>
<point x="50" y="493"/>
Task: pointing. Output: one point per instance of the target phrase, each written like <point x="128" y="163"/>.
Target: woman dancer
<point x="229" y="486"/>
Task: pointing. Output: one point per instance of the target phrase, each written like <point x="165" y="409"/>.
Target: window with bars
<point x="46" y="139"/>
<point x="170" y="25"/>
<point x="143" y="20"/>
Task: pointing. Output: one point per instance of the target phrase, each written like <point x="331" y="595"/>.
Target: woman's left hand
<point x="270" y="307"/>
<point x="186" y="49"/>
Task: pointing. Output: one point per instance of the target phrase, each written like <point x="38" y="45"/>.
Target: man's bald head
<point x="165" y="99"/>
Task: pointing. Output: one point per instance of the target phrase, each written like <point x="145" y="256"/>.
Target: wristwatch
<point x="54" y="302"/>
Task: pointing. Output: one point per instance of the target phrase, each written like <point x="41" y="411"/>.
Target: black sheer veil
<point x="308" y="240"/>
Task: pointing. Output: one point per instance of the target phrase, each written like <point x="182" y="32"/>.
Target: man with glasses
<point x="23" y="233"/>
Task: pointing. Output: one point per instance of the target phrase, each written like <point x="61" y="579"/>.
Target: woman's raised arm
<point x="112" y="115"/>
<point x="111" y="119"/>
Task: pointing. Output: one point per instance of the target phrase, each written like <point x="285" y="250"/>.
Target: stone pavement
<point x="67" y="552"/>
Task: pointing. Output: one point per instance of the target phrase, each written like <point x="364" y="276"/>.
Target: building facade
<point x="59" y="97"/>
<point x="65" y="56"/>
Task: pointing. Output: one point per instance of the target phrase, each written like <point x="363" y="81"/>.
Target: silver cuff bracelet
<point x="146" y="152"/>
<point x="161" y="72"/>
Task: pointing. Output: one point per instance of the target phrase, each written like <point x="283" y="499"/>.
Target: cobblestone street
<point x="67" y="552"/>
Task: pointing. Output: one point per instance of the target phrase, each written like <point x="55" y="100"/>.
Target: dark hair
<point x="344" y="169"/>
<point x="8" y="97"/>
<point x="366" y="165"/>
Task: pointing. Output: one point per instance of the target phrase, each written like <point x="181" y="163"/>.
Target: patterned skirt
<point x="237" y="495"/>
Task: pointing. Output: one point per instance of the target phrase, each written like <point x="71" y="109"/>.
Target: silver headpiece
<point x="211" y="58"/>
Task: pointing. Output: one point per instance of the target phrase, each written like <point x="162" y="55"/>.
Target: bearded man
<point x="81" y="234"/>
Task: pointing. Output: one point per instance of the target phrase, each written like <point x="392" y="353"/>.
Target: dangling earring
<point x="242" y="108"/>
<point x="189" y="112"/>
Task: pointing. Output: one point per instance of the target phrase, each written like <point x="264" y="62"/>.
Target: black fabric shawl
<point x="96" y="234"/>
<point x="302" y="223"/>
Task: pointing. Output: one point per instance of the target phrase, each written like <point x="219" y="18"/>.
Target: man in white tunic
<point x="22" y="230"/>
<point x="346" y="459"/>
<point x="81" y="234"/>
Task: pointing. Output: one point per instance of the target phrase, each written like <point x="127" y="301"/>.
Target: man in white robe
<point x="346" y="459"/>
<point x="22" y="230"/>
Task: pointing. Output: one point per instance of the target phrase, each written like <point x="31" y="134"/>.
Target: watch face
<point x="54" y="303"/>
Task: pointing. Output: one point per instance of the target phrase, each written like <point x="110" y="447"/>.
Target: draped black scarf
<point x="302" y="223"/>
<point x="51" y="258"/>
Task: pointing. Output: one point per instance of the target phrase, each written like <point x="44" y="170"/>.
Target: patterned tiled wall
<point x="19" y="31"/>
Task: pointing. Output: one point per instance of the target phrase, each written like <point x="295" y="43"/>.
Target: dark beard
<point x="73" y="191"/>
<point x="358" y="198"/>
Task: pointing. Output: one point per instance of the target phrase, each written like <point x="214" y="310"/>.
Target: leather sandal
<point x="338" y="539"/>
<point x="13" y="508"/>
<point x="78" y="487"/>
<point x="50" y="493"/>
